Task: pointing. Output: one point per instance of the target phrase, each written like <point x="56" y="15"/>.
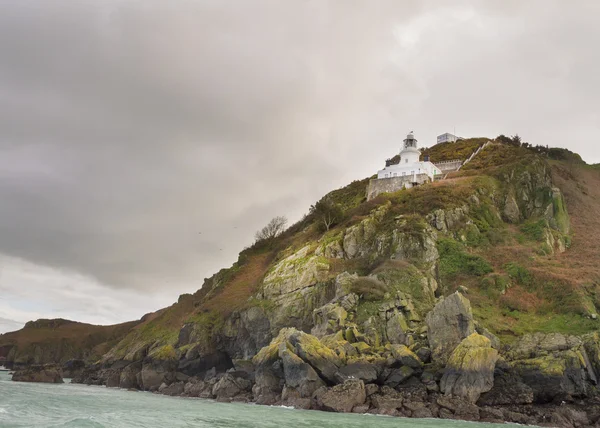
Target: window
<point x="403" y="174"/>
<point x="412" y="173"/>
<point x="406" y="161"/>
<point x="395" y="174"/>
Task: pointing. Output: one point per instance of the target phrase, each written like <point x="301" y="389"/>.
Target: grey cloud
<point x="128" y="127"/>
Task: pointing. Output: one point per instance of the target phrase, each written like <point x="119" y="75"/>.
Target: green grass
<point x="454" y="261"/>
<point x="535" y="230"/>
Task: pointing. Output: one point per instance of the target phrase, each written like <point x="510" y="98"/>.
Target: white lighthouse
<point x="410" y="166"/>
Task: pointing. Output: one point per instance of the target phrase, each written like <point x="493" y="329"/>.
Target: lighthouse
<point x="407" y="173"/>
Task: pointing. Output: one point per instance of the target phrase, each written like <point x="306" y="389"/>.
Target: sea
<point x="37" y="405"/>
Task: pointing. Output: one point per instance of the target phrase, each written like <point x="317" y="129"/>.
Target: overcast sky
<point x="142" y="143"/>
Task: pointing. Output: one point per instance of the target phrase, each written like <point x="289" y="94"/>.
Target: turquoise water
<point x="69" y="405"/>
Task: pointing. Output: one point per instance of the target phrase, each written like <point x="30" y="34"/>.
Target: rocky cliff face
<point x="400" y="309"/>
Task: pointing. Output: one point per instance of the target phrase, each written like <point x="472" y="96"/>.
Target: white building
<point x="411" y="167"/>
<point x="447" y="138"/>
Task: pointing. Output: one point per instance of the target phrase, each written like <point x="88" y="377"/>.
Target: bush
<point x="535" y="230"/>
<point x="369" y="289"/>
<point x="519" y="274"/>
<point x="455" y="261"/>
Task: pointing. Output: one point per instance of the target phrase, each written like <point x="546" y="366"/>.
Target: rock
<point x="156" y="372"/>
<point x="424" y="355"/>
<point x="459" y="409"/>
<point x="296" y="272"/>
<point x="364" y="371"/>
<point x="470" y="369"/>
<point x="511" y="210"/>
<point x="396" y="377"/>
<point x="343" y="398"/>
<point x="292" y="398"/>
<point x="174" y="389"/>
<point x="113" y="379"/>
<point x="229" y="386"/>
<point x="129" y="376"/>
<point x="387" y="399"/>
<point x="361" y="409"/>
<point x="561" y="375"/>
<point x="268" y="386"/>
<point x="328" y="319"/>
<point x="489" y="414"/>
<point x="42" y="374"/>
<point x="508" y="389"/>
<point x="406" y="357"/>
<point x="299" y="374"/>
<point x="194" y="388"/>
<point x="450" y="321"/>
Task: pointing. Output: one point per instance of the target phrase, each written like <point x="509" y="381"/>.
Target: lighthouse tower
<point x="410" y="154"/>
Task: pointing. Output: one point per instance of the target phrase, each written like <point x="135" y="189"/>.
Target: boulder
<point x="129" y="376"/>
<point x="229" y="386"/>
<point x="194" y="388"/>
<point x="470" y="369"/>
<point x="395" y="377"/>
<point x="343" y="398"/>
<point x="405" y="357"/>
<point x="457" y="408"/>
<point x="42" y="374"/>
<point x="450" y="321"/>
<point x="268" y="386"/>
<point x="156" y="372"/>
<point x="508" y="389"/>
<point x="296" y="272"/>
<point x="557" y="376"/>
<point x="366" y="372"/>
<point x="173" y="390"/>
<point x="387" y="399"/>
<point x="299" y="374"/>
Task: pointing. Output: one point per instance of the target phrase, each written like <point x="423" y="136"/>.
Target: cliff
<point x="475" y="297"/>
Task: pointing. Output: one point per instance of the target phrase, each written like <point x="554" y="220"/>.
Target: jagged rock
<point x="194" y="388"/>
<point x="113" y="379"/>
<point x="470" y="369"/>
<point x="508" y="389"/>
<point x="405" y="357"/>
<point x="43" y="374"/>
<point x="559" y="376"/>
<point x="155" y="373"/>
<point x="448" y="324"/>
<point x="396" y="377"/>
<point x="229" y="386"/>
<point x="364" y="371"/>
<point x="129" y="376"/>
<point x="410" y="246"/>
<point x="424" y="355"/>
<point x="511" y="211"/>
<point x="537" y="344"/>
<point x="387" y="399"/>
<point x="298" y="271"/>
<point x="293" y="398"/>
<point x="268" y="386"/>
<point x="174" y="389"/>
<point x="328" y="319"/>
<point x="299" y="374"/>
<point x="459" y="409"/>
<point x="344" y="397"/>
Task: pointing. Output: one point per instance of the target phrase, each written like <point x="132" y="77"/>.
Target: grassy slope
<point x="92" y="340"/>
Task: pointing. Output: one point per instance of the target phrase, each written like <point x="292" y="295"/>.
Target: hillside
<point x="467" y="287"/>
<point x="58" y="341"/>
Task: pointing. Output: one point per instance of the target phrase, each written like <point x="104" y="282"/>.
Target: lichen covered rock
<point x="470" y="369"/>
<point x="448" y="324"/>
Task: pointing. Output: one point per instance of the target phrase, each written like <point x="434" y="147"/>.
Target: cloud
<point x="143" y="143"/>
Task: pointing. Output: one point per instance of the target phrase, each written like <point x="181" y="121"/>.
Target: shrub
<point x="519" y="274"/>
<point x="369" y="289"/>
<point x="454" y="261"/>
<point x="535" y="230"/>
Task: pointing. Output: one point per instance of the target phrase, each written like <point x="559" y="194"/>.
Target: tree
<point x="327" y="212"/>
<point x="272" y="230"/>
<point x="516" y="140"/>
